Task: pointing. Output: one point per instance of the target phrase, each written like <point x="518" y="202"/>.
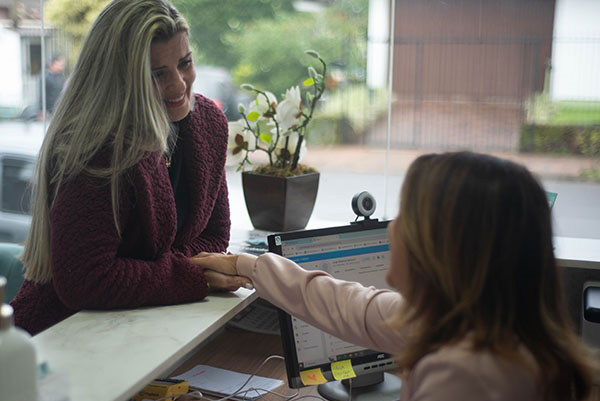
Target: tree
<point x="271" y="52"/>
<point x="74" y="18"/>
<point x="215" y="24"/>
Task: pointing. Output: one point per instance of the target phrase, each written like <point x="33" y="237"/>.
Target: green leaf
<point x="254" y="116"/>
<point x="308" y="82"/>
<point x="265" y="138"/>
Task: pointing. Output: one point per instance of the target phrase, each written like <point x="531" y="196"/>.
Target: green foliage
<point x="561" y="139"/>
<point x="74" y="18"/>
<point x="591" y="174"/>
<point x="346" y="114"/>
<point x="580" y="113"/>
<point x="215" y="24"/>
<point x="542" y="110"/>
<point x="270" y="52"/>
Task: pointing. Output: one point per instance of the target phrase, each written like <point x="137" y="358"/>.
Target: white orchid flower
<point x="289" y="110"/>
<point x="240" y="138"/>
<point x="292" y="143"/>
<point x="261" y="104"/>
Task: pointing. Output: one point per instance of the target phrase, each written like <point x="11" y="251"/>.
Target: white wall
<point x="378" y="44"/>
<point x="11" y="84"/>
<point x="576" y="50"/>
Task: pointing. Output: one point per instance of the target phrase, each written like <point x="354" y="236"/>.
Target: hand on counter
<point x="220" y="271"/>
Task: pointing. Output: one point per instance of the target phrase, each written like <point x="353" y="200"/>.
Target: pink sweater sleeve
<point x="345" y="309"/>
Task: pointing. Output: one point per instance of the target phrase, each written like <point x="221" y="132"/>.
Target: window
<point x="516" y="78"/>
<point x="16" y="185"/>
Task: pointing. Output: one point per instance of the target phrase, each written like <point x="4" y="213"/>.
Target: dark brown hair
<point x="478" y="241"/>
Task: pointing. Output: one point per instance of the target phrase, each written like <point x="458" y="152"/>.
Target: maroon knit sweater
<point x="94" y="268"/>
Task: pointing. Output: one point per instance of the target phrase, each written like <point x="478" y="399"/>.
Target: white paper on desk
<point x="224" y="382"/>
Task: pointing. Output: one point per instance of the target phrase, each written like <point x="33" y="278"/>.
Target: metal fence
<point x="488" y="94"/>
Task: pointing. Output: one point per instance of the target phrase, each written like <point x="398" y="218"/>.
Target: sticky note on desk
<point x="342" y="370"/>
<point x="312" y="377"/>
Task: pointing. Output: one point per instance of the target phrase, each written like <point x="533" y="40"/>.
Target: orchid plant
<point x="276" y="129"/>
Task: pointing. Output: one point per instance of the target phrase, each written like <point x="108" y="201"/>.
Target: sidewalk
<point x="356" y="159"/>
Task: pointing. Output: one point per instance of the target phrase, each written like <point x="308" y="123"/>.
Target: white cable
<point x="309" y="396"/>
<point x="241" y="392"/>
<point x="196" y="394"/>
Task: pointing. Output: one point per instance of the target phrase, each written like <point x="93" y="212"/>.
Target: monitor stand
<point x="372" y="387"/>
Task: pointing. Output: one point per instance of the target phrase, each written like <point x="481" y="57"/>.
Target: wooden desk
<point x="243" y="352"/>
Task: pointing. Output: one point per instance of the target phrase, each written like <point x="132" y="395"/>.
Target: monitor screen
<point x="357" y="252"/>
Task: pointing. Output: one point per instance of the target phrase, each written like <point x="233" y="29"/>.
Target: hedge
<point x="561" y="139"/>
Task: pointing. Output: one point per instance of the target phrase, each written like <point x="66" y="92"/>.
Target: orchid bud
<point x="241" y="108"/>
<point x="312" y="72"/>
<point x="247" y="87"/>
<point x="313" y="54"/>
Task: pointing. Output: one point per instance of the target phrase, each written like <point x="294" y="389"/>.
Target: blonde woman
<point x="478" y="315"/>
<point x="131" y="181"/>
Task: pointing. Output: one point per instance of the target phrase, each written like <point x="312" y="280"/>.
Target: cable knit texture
<point x="92" y="268"/>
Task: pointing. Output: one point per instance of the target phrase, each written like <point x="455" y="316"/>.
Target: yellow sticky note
<point x="342" y="370"/>
<point x="312" y="377"/>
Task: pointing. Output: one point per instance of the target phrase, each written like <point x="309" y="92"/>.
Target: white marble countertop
<point x="110" y="355"/>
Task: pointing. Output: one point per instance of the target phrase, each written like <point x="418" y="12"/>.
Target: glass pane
<point x="517" y="78"/>
<point x="514" y="78"/>
<point x="16" y="188"/>
<point x="263" y="44"/>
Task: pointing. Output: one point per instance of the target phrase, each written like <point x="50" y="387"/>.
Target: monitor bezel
<point x="285" y="319"/>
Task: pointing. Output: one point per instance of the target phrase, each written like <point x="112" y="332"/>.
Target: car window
<point x="17" y="175"/>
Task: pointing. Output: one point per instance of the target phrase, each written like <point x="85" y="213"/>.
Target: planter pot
<point x="279" y="204"/>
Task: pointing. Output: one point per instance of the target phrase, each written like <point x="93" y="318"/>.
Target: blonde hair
<point x="109" y="105"/>
<point x="478" y="243"/>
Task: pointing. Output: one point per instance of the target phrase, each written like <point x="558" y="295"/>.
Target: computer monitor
<point x="357" y="252"/>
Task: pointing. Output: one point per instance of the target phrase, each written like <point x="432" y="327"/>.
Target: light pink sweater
<point x="357" y="314"/>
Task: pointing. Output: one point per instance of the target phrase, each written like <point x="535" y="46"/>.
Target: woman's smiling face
<point x="174" y="74"/>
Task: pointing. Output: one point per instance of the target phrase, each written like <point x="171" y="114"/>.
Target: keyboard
<point x="258" y="317"/>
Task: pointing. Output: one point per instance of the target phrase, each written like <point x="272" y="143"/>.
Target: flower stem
<point x="319" y="89"/>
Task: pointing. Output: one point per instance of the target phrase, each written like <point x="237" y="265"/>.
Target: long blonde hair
<point x="477" y="237"/>
<point x="110" y="105"/>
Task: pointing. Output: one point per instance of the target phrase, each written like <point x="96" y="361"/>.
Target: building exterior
<point x="21" y="45"/>
<point x="576" y="51"/>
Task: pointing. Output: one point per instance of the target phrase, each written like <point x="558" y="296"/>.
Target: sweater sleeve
<point x="215" y="237"/>
<point x="87" y="270"/>
<point x="344" y="309"/>
<point x="206" y="139"/>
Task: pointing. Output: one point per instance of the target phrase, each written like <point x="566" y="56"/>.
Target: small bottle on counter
<point x="17" y="357"/>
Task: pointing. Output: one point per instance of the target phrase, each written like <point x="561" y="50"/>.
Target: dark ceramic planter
<point x="280" y="204"/>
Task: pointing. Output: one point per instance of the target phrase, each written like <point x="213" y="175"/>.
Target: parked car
<point x="20" y="143"/>
<point x="216" y="84"/>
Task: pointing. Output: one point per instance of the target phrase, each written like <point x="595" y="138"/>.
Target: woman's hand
<point x="220" y="271"/>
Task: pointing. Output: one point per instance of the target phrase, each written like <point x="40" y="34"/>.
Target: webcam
<point x="363" y="204"/>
